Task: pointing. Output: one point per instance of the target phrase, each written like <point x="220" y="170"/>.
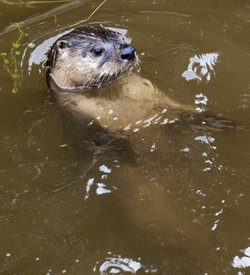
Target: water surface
<point x="183" y="206"/>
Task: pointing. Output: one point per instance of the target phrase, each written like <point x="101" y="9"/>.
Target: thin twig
<point x="89" y="17"/>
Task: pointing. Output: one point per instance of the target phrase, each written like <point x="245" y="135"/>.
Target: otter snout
<point x="127" y="53"/>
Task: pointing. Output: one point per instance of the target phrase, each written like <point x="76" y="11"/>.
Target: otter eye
<point x="98" y="51"/>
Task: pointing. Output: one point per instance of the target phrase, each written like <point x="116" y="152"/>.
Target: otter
<point x="90" y="72"/>
<point x="81" y="66"/>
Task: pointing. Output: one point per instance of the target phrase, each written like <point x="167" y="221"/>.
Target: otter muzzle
<point x="127" y="53"/>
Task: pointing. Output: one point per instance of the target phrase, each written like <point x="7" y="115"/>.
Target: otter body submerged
<point x="89" y="71"/>
<point x="83" y="62"/>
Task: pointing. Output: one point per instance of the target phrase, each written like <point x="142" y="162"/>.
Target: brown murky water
<point x="184" y="207"/>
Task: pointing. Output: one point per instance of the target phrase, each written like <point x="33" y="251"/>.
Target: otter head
<point x="88" y="57"/>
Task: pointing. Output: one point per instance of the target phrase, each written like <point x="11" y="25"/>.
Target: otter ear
<point x="52" y="55"/>
<point x="62" y="44"/>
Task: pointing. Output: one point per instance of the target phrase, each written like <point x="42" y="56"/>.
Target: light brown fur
<point x="131" y="102"/>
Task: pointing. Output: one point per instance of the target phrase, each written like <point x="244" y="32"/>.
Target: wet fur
<point x="71" y="64"/>
<point x="79" y="80"/>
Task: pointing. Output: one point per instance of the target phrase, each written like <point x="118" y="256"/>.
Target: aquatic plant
<point x="12" y="60"/>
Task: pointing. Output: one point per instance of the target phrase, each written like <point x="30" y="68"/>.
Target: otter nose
<point x="127" y="53"/>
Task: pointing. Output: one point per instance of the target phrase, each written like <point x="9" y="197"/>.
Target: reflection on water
<point x="29" y="3"/>
<point x="180" y="203"/>
<point x="244" y="261"/>
<point x="118" y="266"/>
<point x="245" y="99"/>
<point x="201" y="101"/>
<point x="201" y="67"/>
<point x="39" y="54"/>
